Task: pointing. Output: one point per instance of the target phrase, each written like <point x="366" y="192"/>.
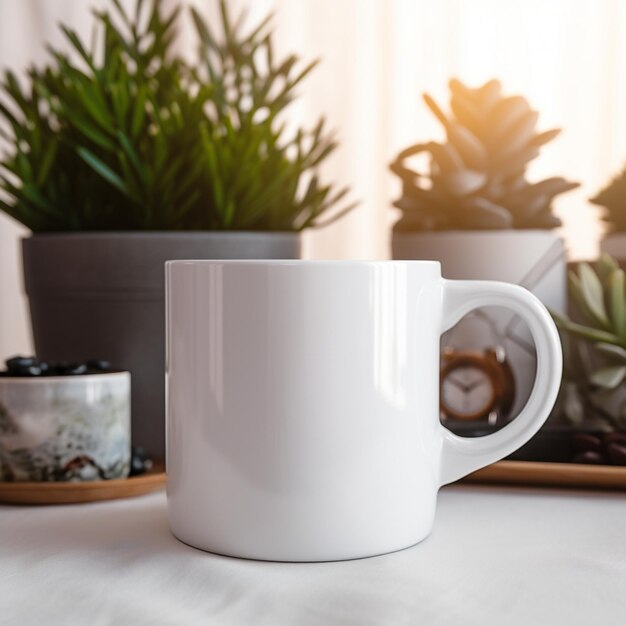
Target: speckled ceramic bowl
<point x="57" y="428"/>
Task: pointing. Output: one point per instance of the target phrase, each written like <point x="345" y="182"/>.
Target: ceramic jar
<point x="58" y="428"/>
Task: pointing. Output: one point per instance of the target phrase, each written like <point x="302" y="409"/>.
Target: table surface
<point x="496" y="556"/>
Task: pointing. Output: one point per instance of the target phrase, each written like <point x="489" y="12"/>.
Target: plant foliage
<point x="600" y="298"/>
<point x="599" y="295"/>
<point x="613" y="199"/>
<point x="477" y="178"/>
<point x="123" y="134"/>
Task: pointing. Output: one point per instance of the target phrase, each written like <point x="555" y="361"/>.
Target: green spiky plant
<point x="613" y="199"/>
<point x="477" y="178"/>
<point x="126" y="135"/>
<point x="599" y="333"/>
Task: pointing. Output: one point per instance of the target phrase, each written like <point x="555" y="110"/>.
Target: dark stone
<point x="584" y="442"/>
<point x="619" y="438"/>
<point x="28" y="370"/>
<point x="140" y="463"/>
<point x="590" y="458"/>
<point x="30" y="366"/>
<point x="20" y="362"/>
<point x="71" y="369"/>
<point x="616" y="453"/>
<point x="99" y="365"/>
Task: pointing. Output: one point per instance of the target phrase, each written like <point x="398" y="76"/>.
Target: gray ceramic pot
<point x="101" y="295"/>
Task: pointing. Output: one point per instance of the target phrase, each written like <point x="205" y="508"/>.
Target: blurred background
<point x="377" y="58"/>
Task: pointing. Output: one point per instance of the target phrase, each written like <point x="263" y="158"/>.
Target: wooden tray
<point x="76" y="492"/>
<point x="551" y="475"/>
<point x="521" y="473"/>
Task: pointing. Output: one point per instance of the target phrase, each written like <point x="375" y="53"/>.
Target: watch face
<point x="467" y="392"/>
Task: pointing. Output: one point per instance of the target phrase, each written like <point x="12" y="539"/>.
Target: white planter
<point x="65" y="427"/>
<point x="534" y="259"/>
<point x="615" y="245"/>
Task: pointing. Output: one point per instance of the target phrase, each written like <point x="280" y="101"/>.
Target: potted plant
<point x="474" y="210"/>
<point x="593" y="396"/>
<point x="125" y="155"/>
<point x="613" y="199"/>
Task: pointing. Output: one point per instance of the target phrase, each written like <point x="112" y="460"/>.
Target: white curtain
<point x="567" y="56"/>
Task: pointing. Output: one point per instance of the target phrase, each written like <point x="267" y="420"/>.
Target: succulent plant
<point x="477" y="178"/>
<point x="613" y="199"/>
<point x="124" y="134"/>
<point x="598" y="331"/>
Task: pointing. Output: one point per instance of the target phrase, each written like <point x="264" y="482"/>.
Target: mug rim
<point x="294" y="262"/>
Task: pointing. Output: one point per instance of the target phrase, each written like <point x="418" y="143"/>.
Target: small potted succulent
<point x="125" y="155"/>
<point x="63" y="422"/>
<point x="613" y="199"/>
<point x="593" y="396"/>
<point x="474" y="210"/>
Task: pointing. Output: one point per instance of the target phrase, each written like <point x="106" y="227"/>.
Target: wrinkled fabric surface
<point x="496" y="556"/>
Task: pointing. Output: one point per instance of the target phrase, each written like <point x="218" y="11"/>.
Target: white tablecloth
<point x="496" y="557"/>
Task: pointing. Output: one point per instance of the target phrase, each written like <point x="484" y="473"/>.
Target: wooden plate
<point x="75" y="492"/>
<point x="501" y="473"/>
<point x="551" y="475"/>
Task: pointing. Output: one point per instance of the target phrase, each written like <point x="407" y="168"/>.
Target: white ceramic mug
<point x="303" y="403"/>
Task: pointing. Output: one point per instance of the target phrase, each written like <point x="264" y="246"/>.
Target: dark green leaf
<point x="102" y="169"/>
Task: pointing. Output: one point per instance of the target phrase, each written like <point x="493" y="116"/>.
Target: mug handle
<point x="462" y="455"/>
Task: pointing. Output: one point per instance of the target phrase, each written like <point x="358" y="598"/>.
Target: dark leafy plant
<point x="126" y="135"/>
<point x="613" y="199"/>
<point x="477" y="179"/>
<point x="252" y="167"/>
<point x="86" y="153"/>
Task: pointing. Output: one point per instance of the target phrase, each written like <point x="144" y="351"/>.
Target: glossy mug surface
<point x="303" y="403"/>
